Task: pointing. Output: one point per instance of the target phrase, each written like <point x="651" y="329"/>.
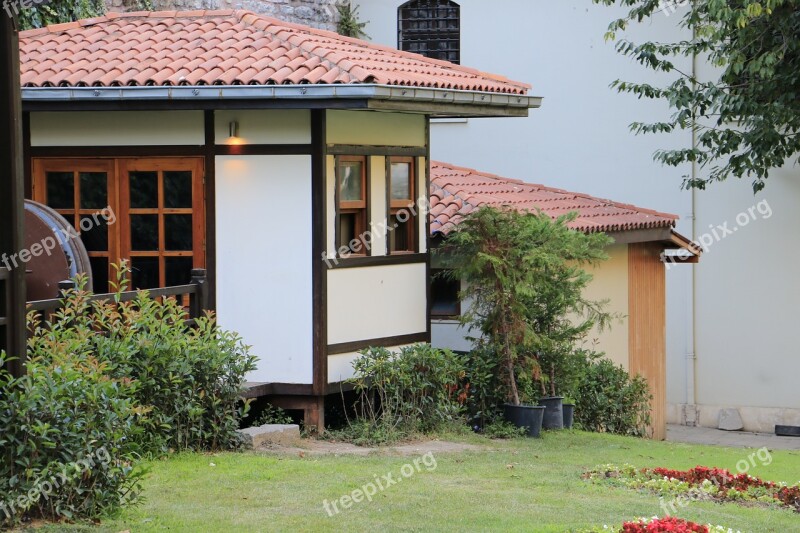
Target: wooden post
<point x="12" y="333"/>
<point x="198" y="302"/>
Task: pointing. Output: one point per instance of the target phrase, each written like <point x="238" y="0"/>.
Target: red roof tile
<point x="457" y="191"/>
<point x="226" y="48"/>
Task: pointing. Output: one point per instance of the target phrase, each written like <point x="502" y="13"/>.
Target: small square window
<point x="431" y="28"/>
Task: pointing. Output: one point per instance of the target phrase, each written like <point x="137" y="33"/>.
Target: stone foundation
<point x="758" y="419"/>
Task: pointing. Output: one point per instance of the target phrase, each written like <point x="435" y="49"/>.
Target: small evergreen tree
<point x="524" y="280"/>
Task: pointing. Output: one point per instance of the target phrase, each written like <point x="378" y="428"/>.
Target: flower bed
<point x="669" y="524"/>
<point x="699" y="483"/>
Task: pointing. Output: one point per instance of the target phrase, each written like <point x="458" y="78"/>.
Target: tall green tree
<point x="747" y="118"/>
<point x="524" y="280"/>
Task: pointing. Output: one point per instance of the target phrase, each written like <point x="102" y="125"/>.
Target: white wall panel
<point x="117" y="128"/>
<point x="264" y="279"/>
<point x="375" y="302"/>
<point x="267" y="126"/>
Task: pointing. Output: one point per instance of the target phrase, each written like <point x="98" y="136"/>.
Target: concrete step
<point x="283" y="434"/>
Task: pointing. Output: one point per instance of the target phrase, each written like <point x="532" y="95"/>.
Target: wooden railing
<point x="196" y="290"/>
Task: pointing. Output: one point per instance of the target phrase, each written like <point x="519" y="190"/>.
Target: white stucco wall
<point x="264" y="283"/>
<point x="117" y="128"/>
<point x="271" y="126"/>
<point x="376" y="302"/>
<point x="748" y="294"/>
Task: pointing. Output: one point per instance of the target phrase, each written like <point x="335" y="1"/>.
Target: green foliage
<point x="68" y="437"/>
<point x="747" y="117"/>
<point x="272" y="415"/>
<point x="483" y="385"/>
<point x="500" y="429"/>
<point x="609" y="400"/>
<point x="349" y="24"/>
<point x="189" y="379"/>
<point x="524" y="277"/>
<point x="415" y="390"/>
<point x="59" y="11"/>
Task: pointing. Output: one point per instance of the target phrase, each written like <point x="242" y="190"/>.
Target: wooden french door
<point x="161" y="201"/>
<point x="156" y="208"/>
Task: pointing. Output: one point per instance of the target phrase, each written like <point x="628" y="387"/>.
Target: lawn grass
<point x="519" y="485"/>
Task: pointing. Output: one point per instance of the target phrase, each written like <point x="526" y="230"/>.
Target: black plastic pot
<point x="787" y="431"/>
<point x="553" y="412"/>
<point x="525" y="416"/>
<point x="569" y="412"/>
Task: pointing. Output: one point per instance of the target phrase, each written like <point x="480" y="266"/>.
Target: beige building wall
<point x="611" y="283"/>
<point x="375" y="129"/>
<point x="117" y="128"/>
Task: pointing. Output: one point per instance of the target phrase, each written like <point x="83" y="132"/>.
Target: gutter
<point x="281" y="92"/>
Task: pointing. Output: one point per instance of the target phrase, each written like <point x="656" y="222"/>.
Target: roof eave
<point x="431" y="101"/>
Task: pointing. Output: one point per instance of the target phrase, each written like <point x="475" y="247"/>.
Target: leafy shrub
<point x="484" y="387"/>
<point x="189" y="379"/>
<point x="609" y="400"/>
<point x="67" y="438"/>
<point x="500" y="429"/>
<point x="272" y="415"/>
<point x="417" y="389"/>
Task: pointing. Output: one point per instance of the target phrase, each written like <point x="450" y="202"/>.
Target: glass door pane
<point x="164" y="210"/>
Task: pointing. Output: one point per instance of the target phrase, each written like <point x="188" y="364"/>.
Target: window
<point x="402" y="205"/>
<point x="78" y="190"/>
<point x="351" y="224"/>
<point x="431" y="28"/>
<point x="162" y="202"/>
<point x="158" y="214"/>
<point x="444" y="295"/>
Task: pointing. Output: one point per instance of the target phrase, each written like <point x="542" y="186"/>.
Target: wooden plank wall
<point x="647" y="340"/>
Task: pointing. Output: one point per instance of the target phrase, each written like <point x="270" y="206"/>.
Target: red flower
<point x="668" y="524"/>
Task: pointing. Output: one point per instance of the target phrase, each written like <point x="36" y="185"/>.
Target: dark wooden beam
<point x="426" y="238"/>
<point x="444" y="110"/>
<point x="119" y="151"/>
<point x="403" y="151"/>
<point x="398" y="340"/>
<point x="375" y="260"/>
<point x="319" y="273"/>
<point x="210" y="184"/>
<point x="12" y="333"/>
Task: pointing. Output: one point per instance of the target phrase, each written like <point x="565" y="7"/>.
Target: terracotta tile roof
<point x="226" y="48"/>
<point x="457" y="191"/>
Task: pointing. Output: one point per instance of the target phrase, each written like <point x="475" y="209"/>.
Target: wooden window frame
<point x="40" y="169"/>
<point x="119" y="239"/>
<point x="360" y="208"/>
<point x="195" y="166"/>
<point x="393" y="207"/>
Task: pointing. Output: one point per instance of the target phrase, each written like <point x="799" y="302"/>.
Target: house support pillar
<point x="12" y="282"/>
<point x="313" y="408"/>
<point x="647" y="323"/>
